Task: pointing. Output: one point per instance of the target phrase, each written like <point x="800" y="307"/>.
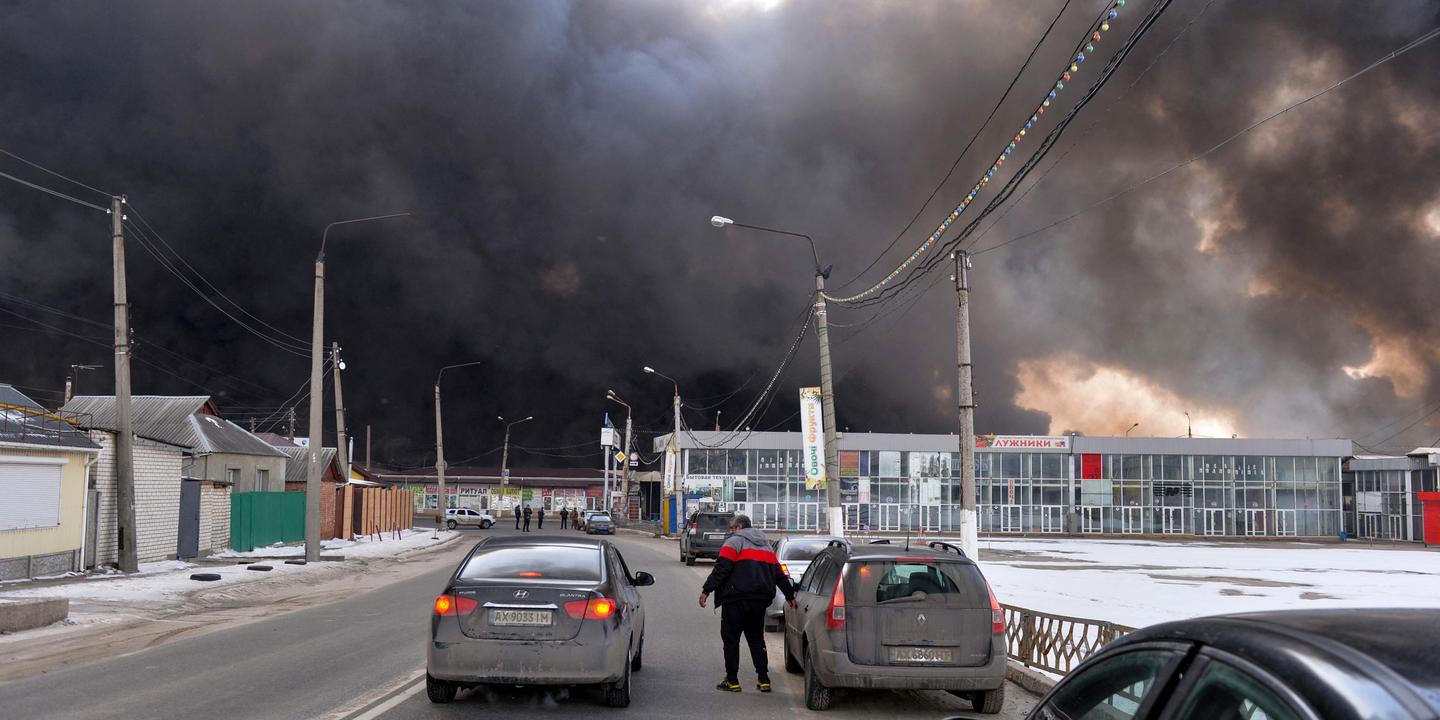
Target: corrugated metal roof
<point x="297" y="469"/>
<point x="175" y="420"/>
<point x="35" y="425"/>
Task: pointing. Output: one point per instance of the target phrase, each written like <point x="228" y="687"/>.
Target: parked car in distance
<point x="795" y="553"/>
<point x="599" y="524"/>
<point x="1280" y="665"/>
<point x="887" y="616"/>
<point x="455" y="517"/>
<point x="583" y="518"/>
<point x="541" y="611"/>
<point x="704" y="534"/>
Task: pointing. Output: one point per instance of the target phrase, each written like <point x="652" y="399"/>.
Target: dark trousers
<point x="744" y="617"/>
<point x="564" y="522"/>
<point x="517" y="521"/>
<point x="527" y="524"/>
<point x="540" y="522"/>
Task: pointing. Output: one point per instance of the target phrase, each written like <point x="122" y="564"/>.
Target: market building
<point x="1030" y="484"/>
<point x="1382" y="494"/>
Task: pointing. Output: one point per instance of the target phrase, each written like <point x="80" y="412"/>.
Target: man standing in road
<point x="527" y="519"/>
<point x="744" y="581"/>
<point x="540" y="518"/>
<point x="517" y="517"/>
<point x="564" y="518"/>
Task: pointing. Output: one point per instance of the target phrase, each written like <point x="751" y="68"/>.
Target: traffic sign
<point x="620" y="457"/>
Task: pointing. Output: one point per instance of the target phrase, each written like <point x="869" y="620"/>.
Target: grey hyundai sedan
<point x="538" y="611"/>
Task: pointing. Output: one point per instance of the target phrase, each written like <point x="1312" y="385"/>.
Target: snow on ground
<point x="410" y="539"/>
<point x="1138" y="583"/>
<point x="170" y="581"/>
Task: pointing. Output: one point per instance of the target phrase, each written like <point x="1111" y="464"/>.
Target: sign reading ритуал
<point x="813" y="432"/>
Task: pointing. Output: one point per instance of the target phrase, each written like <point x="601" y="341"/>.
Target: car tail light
<point x="785" y="569"/>
<point x="592" y="609"/>
<point x="454" y="605"/>
<point x="997" y="614"/>
<point x="835" y="614"/>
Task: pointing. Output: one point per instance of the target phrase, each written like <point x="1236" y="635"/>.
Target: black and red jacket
<point x="747" y="570"/>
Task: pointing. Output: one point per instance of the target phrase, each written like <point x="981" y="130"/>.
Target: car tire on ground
<point x="617" y="694"/>
<point x="205" y="577"/>
<point x="451" y="523"/>
<point x="792" y="665"/>
<point x="817" y="696"/>
<point x="988" y="702"/>
<point x="439" y="691"/>
<point x="690" y="559"/>
<point x="636" y="662"/>
<point x="485" y="524"/>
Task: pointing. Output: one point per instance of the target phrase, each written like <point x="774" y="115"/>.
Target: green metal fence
<point x="258" y="519"/>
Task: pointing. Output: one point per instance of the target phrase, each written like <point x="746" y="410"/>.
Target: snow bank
<point x="1144" y="582"/>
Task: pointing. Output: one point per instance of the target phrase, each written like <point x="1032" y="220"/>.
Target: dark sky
<point x="563" y="159"/>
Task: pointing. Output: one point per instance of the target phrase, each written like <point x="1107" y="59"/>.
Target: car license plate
<point x="714" y="536"/>
<point x="532" y="618"/>
<point x="920" y="655"/>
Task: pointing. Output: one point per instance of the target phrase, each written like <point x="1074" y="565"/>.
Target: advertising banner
<point x="671" y="461"/>
<point x="813" y="432"/>
<point x="707" y="482"/>
<point x="1023" y="442"/>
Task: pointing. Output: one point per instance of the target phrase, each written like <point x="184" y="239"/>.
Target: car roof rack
<point x="945" y="547"/>
<point x="881" y="541"/>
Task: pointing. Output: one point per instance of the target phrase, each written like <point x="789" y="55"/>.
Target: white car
<point x="455" y="517"/>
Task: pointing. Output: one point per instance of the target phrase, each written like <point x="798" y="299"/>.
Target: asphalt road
<point x="362" y="656"/>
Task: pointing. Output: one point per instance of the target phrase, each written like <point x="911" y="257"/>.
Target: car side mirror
<point x="643" y="579"/>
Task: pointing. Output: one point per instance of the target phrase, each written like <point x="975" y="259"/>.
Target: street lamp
<point x="441" y="501"/>
<point x="672" y="450"/>
<point x="625" y="464"/>
<point x="317" y="393"/>
<point x="1132" y="427"/>
<point x="836" y="516"/>
<point x="505" y="455"/>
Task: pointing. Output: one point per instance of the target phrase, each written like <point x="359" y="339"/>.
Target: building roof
<point x="298" y="467"/>
<point x="188" y="421"/>
<point x="25" y="422"/>
<point x="518" y="476"/>
<point x="276" y="439"/>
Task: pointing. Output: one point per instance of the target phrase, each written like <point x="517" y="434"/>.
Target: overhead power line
<point x="56" y="193"/>
<point x="44" y="169"/>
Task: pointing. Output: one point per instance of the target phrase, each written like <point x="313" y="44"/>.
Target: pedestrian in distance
<point x="517" y="517"/>
<point x="564" y="518"/>
<point x="744" y="581"/>
<point x="540" y="519"/>
<point x="527" y="519"/>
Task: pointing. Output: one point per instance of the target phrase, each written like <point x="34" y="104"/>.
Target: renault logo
<point x="920" y="618"/>
<point x="522" y="594"/>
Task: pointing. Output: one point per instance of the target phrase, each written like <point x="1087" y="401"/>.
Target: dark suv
<point x="896" y="616"/>
<point x="703" y="535"/>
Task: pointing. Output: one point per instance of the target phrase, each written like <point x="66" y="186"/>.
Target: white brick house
<point x="158" y="473"/>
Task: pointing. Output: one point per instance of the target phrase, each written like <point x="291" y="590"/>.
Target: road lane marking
<point x="348" y="711"/>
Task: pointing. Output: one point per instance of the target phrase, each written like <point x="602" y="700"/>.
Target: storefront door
<point x="1132" y="520"/>
<point x="1010" y="518"/>
<point x="1052" y="518"/>
<point x="1254" y="522"/>
<point x="1370" y="525"/>
<point x="889" y="516"/>
<point x="1092" y="519"/>
<point x="1284" y="522"/>
<point x="1214" y="521"/>
<point x="930" y="518"/>
<point x="1173" y="520"/>
<point x="808" y="516"/>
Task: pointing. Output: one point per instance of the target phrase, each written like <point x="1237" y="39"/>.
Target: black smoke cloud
<point x="563" y="160"/>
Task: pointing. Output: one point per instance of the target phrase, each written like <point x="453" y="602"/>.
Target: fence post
<point x="1028" y="632"/>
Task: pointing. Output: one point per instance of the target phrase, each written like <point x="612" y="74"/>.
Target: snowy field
<point x="170" y="581"/>
<point x="1138" y="583"/>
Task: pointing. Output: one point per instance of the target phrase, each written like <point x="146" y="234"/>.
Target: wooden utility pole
<point x="124" y="437"/>
<point x="965" y="400"/>
<point x="367" y="447"/>
<point x="342" y="448"/>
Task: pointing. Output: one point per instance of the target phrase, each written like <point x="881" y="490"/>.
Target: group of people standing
<point x="522" y="518"/>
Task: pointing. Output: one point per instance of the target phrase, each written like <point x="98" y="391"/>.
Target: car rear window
<point x="534" y="563"/>
<point x="714" y="522"/>
<point x="600" y="518"/>
<point x="960" y="584"/>
<point x="803" y="550"/>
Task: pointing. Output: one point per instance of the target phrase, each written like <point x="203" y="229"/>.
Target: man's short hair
<point x="740" y="521"/>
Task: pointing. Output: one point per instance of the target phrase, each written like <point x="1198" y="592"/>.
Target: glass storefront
<point x="1037" y="492"/>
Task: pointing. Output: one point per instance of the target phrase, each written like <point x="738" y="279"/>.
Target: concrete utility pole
<point x="965" y="400"/>
<point x="505" y="453"/>
<point x="124" y="435"/>
<point x="342" y="448"/>
<point x="835" y="514"/>
<point x="317" y="395"/>
<point x="625" y="464"/>
<point x="290" y="417"/>
<point x="367" y="447"/>
<point x="439" y="460"/>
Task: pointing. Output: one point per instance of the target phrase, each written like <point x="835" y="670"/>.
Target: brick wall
<point x="214" y="518"/>
<point x="157" y="500"/>
<point x="327" y="503"/>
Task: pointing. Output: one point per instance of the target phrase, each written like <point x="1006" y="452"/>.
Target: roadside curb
<point x="644" y="533"/>
<point x="1031" y="680"/>
<point x="428" y="548"/>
